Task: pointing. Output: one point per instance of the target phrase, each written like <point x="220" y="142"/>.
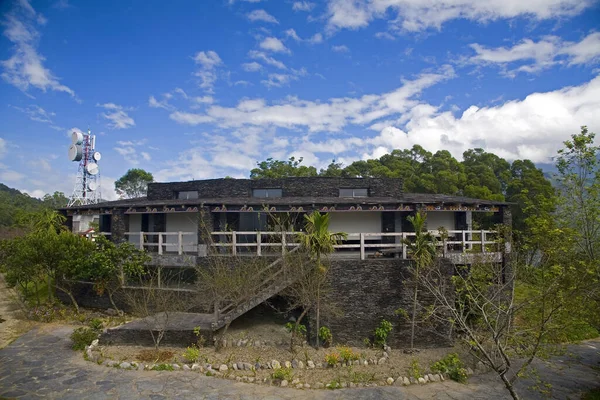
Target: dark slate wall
<point x="365" y="292"/>
<point x="292" y="187"/>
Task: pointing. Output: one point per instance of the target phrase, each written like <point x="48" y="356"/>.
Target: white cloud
<point x="11" y="176"/>
<point x="340" y="49"/>
<point x="25" y="68"/>
<point x="273" y="44"/>
<point x="118" y="117"/>
<point x="252" y="67"/>
<point x="278" y="80"/>
<point x="152" y="102"/>
<point x="208" y="62"/>
<point x="190" y="118"/>
<point x="314" y="39"/>
<point x="2" y="148"/>
<point x="292" y="33"/>
<point x="540" y="55"/>
<point x="259" y="55"/>
<point x="261" y="15"/>
<point x="303" y="6"/>
<point x="37" y="113"/>
<point x="385" y="35"/>
<point x="417" y="15"/>
<point x="145" y="156"/>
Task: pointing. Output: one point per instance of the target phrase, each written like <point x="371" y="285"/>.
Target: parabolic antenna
<point x="75" y="152"/>
<point x="77" y="137"/>
<point x="97" y="156"/>
<point x="92" y="186"/>
<point x="92" y="169"/>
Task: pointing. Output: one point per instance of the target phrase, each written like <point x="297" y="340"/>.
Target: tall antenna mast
<point x="87" y="181"/>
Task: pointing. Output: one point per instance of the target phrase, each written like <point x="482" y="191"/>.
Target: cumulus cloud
<point x="543" y="54"/>
<point x="37" y="113"/>
<point x="117" y="116"/>
<point x="303" y="6"/>
<point x="273" y="44"/>
<point x="208" y="62"/>
<point x="252" y="67"/>
<point x="417" y="15"/>
<point x="259" y="55"/>
<point x="25" y="68"/>
<point x="261" y="15"/>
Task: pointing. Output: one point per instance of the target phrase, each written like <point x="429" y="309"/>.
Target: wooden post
<point x="464" y="245"/>
<point x="258" y="244"/>
<point x="233" y="243"/>
<point x="180" y="243"/>
<point x="283" y="243"/>
<point x="362" y="246"/>
<point x="160" y="243"/>
<point x="404" y="245"/>
<point x="141" y="240"/>
<point x="482" y="241"/>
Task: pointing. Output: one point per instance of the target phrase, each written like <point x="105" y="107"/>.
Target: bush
<point x="48" y="313"/>
<point x="192" y="353"/>
<point x="96" y="324"/>
<point x="283" y="373"/>
<point x="163" y="367"/>
<point x="415" y="370"/>
<point x="325" y="336"/>
<point x="347" y="354"/>
<point x="452" y="366"/>
<point x="382" y="332"/>
<point x="332" y="359"/>
<point x="291" y="327"/>
<point x="82" y="337"/>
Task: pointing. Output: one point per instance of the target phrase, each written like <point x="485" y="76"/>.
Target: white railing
<point x="144" y="240"/>
<point x="457" y="241"/>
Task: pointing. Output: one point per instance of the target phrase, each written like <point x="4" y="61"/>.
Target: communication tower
<point x="87" y="182"/>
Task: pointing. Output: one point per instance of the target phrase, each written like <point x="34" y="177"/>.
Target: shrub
<point x="325" y="336"/>
<point x="96" y="324"/>
<point x="201" y="341"/>
<point x="382" y="332"/>
<point x="48" y="313"/>
<point x="163" y="367"/>
<point x="192" y="353"/>
<point x="283" y="373"/>
<point x="82" y="337"/>
<point x="332" y="359"/>
<point x="415" y="370"/>
<point x="452" y="366"/>
<point x="347" y="354"/>
<point x="291" y="327"/>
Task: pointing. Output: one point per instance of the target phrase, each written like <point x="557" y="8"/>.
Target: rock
<point x="196" y="367"/>
<point x="111" y="312"/>
<point x="441" y="377"/>
<point x="413" y="380"/>
<point x="405" y="381"/>
<point x="387" y="348"/>
<point x="365" y="363"/>
<point x="224" y="343"/>
<point x="258" y="366"/>
<point x="310" y="364"/>
<point x="284" y="383"/>
<point x="245" y="342"/>
<point x="110" y="363"/>
<point x="344" y="385"/>
<point x="356" y="362"/>
<point x="140" y="367"/>
<point x="306" y="386"/>
<point x="223" y="368"/>
<point x="238" y="378"/>
<point x="421" y="381"/>
<point x="275" y="364"/>
<point x="426" y="378"/>
<point x="385" y="354"/>
<point x="294" y="364"/>
<point x="287" y="364"/>
<point x="381" y="361"/>
<point x="390" y="381"/>
<point x="95" y="343"/>
<point x="319" y="385"/>
<point x="300" y="365"/>
<point x="186" y="367"/>
<point x="235" y="367"/>
<point x="125" y="365"/>
<point x="299" y="386"/>
<point x="372" y="362"/>
<point x="239" y="343"/>
<point x="295" y="381"/>
<point x="176" y="367"/>
<point x="433" y="377"/>
<point x="319" y="365"/>
<point x="250" y="379"/>
<point x="269" y="365"/>
<point x="469" y="371"/>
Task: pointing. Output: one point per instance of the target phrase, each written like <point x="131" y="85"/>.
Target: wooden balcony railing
<point x="157" y="242"/>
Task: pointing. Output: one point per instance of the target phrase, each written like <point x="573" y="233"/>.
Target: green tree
<point x="55" y="200"/>
<point x="271" y="168"/>
<point x="134" y="183"/>
<point x="318" y="242"/>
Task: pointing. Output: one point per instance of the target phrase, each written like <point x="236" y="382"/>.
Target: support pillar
<point x="118" y="225"/>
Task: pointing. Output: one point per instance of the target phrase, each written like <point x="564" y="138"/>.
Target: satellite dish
<point x="75" y="152"/>
<point x="97" y="156"/>
<point x="77" y="137"/>
<point x="92" y="169"/>
<point x="92" y="186"/>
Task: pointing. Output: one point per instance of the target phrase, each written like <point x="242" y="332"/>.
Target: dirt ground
<point x="12" y="321"/>
<point x="264" y="327"/>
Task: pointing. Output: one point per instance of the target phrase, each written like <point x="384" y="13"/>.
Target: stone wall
<point x="291" y="187"/>
<point x="365" y="292"/>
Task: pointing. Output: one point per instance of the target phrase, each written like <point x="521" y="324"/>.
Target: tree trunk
<point x="296" y="328"/>
<point x="112" y="302"/>
<point x="73" y="301"/>
<point x="414" y="310"/>
<point x="37" y="292"/>
<point x="509" y="386"/>
<point x="49" y="283"/>
<point x="219" y="344"/>
<point x="318" y="314"/>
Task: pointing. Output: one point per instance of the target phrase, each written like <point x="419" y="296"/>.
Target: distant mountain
<point x="12" y="201"/>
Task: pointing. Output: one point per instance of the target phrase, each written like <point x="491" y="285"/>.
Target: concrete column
<point x="118" y="225"/>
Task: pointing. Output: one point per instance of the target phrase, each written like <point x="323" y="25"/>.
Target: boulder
<point x="389" y="381"/>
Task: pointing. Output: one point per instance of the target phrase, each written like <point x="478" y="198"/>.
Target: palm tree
<point x="319" y="243"/>
<point x="423" y="252"/>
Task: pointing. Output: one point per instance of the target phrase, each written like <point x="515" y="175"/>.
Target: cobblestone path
<point x="40" y="364"/>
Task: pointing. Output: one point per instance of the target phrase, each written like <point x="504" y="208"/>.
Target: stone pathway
<point x="40" y="364"/>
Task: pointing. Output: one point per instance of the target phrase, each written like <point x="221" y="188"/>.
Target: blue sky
<point x="194" y="90"/>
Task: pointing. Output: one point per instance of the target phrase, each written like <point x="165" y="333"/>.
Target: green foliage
<point x="283" y="373"/>
<point x="361" y="377"/>
<point x="82" y="337"/>
<point x="299" y="330"/>
<point x="281" y="169"/>
<point x="382" y="332"/>
<point x="134" y="183"/>
<point x="163" y="367"/>
<point x="192" y="353"/>
<point x="96" y="324"/>
<point x="452" y="366"/>
<point x="415" y="370"/>
<point x="332" y="359"/>
<point x="325" y="336"/>
<point x="346" y="354"/>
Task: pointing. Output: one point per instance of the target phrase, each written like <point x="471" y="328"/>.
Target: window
<point x="362" y="192"/>
<point x="188" y="195"/>
<point x="266" y="193"/>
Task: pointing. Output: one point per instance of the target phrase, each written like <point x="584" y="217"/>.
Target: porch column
<point x="118" y="225"/>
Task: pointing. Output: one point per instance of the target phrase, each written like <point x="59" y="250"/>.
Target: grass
<point x="593" y="394"/>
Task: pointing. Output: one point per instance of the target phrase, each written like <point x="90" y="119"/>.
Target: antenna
<point x="87" y="181"/>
